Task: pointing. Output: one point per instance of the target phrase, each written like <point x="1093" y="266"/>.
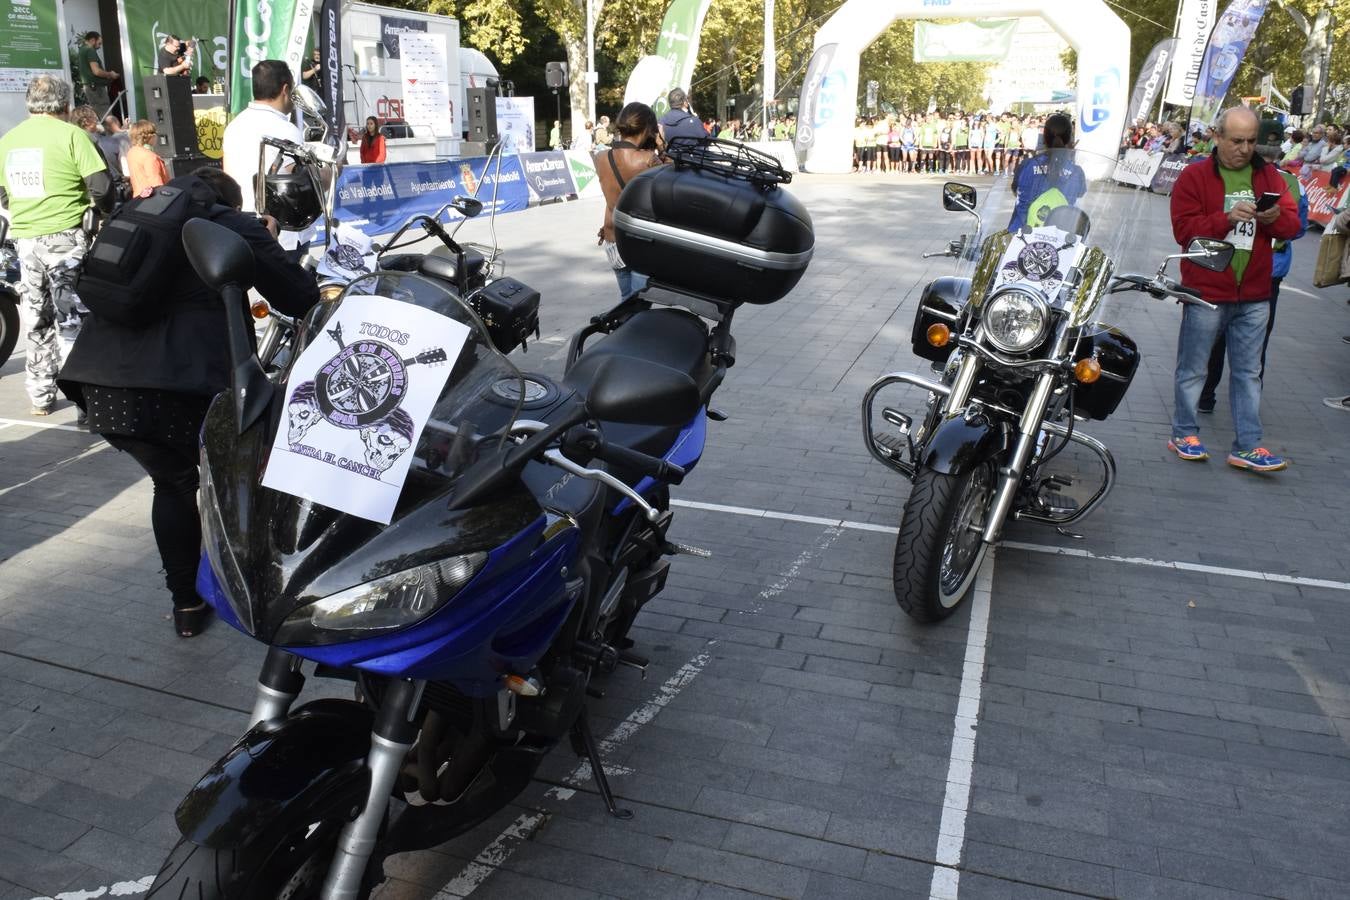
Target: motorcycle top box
<point x="715" y="223"/>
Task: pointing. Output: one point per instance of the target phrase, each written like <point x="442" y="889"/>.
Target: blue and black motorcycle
<point x="529" y="532"/>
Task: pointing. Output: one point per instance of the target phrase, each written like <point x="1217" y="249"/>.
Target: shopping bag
<point x="1329" y="255"/>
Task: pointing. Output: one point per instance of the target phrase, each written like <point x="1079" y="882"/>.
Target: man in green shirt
<point x="93" y="76"/>
<point x="50" y="172"/>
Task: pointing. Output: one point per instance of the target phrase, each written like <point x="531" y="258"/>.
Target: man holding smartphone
<point x="1219" y="199"/>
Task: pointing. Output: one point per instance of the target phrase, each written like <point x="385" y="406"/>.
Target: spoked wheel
<point x="941" y="545"/>
<point x="293" y="870"/>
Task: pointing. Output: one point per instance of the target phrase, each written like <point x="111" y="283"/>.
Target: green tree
<point x="911" y="86"/>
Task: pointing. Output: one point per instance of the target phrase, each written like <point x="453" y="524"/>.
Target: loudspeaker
<point x="555" y="74"/>
<point x="482" y="115"/>
<point x="168" y="104"/>
<point x="1296" y="97"/>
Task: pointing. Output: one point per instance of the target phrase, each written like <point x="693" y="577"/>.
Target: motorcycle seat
<point x="440" y="264"/>
<point x="672" y="337"/>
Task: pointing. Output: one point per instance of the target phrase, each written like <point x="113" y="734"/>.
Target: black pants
<point x="1221" y="346"/>
<point x="173" y="512"/>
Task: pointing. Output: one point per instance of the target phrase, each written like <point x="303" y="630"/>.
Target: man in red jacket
<point x="1217" y="198"/>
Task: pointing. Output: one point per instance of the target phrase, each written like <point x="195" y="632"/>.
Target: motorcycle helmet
<point x="292" y="198"/>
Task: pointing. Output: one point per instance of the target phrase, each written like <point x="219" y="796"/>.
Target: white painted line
<point x="52" y="426"/>
<point x="946" y="881"/>
<point x="88" y="451"/>
<point x="116" y="889"/>
<point x="523" y="828"/>
<point x="1302" y="293"/>
<point x="1200" y="568"/>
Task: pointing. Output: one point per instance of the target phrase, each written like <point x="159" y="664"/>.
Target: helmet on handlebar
<point x="292" y="198"/>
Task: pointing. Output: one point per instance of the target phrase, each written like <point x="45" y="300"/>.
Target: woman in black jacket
<point x="146" y="388"/>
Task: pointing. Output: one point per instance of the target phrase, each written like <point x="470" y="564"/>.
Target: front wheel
<point x="293" y="870"/>
<point x="941" y="543"/>
<point x="9" y="325"/>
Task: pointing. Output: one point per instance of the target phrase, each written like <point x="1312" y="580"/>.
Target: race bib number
<point x="1243" y="233"/>
<point x="23" y="174"/>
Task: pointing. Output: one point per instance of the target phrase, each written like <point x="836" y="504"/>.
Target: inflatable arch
<point x="829" y="98"/>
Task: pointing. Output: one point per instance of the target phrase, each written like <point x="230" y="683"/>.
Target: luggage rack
<point x="728" y="158"/>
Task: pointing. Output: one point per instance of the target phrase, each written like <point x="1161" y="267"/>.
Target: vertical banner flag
<point x="812" y="108"/>
<point x="1227" y="45"/>
<point x="678" y="45"/>
<point x="1150" y="80"/>
<point x="330" y="52"/>
<point x="1193" y="28"/>
<point x="278" y="29"/>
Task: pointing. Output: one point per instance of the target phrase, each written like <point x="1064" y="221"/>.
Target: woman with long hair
<point x="372" y="142"/>
<point x="636" y="149"/>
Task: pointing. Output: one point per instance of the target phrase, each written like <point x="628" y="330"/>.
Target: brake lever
<point x="556" y="457"/>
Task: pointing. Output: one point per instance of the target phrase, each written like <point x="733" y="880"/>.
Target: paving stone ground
<point x="1144" y="732"/>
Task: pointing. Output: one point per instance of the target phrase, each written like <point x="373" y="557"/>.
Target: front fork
<point x="279" y="684"/>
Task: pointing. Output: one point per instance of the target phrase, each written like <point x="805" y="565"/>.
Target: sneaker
<point x="42" y="410"/>
<point x="1205" y="405"/>
<point x="1341" y="403"/>
<point x="1258" y="460"/>
<point x="1188" y="448"/>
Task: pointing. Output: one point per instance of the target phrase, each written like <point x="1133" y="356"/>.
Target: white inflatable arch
<point x="829" y="98"/>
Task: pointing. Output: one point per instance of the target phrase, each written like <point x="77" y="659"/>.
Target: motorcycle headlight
<point x="1015" y="320"/>
<point x="385" y="604"/>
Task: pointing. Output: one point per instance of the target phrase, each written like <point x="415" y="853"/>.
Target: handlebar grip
<point x="637" y="461"/>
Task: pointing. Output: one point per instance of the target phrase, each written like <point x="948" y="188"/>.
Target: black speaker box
<point x="168" y="104"/>
<point x="482" y="115"/>
<point x="555" y="74"/>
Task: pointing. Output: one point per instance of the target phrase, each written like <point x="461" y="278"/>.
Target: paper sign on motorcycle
<point x="356" y="402"/>
<point x="1043" y="257"/>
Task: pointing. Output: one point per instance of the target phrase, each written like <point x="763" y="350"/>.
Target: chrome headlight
<point x="1015" y="320"/>
<point x="394" y="601"/>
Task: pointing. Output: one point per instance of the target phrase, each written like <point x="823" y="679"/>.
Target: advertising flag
<point x="1150" y="80"/>
<point x="330" y="53"/>
<point x="1227" y="45"/>
<point x="678" y="45"/>
<point x="816" y="107"/>
<point x="278" y="29"/>
<point x="1193" y="27"/>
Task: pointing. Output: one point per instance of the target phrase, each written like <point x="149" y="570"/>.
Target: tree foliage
<point x="911" y="86"/>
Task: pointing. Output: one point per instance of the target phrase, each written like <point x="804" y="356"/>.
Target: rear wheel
<point x="9" y="325"/>
<point x="941" y="545"/>
<point x="293" y="870"/>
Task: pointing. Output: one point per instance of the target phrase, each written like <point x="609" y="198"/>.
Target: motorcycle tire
<point x="932" y="574"/>
<point x="292" y="870"/>
<point x="9" y="325"/>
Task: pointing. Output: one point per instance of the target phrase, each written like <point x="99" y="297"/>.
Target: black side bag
<point x="510" y="310"/>
<point x="132" y="267"/>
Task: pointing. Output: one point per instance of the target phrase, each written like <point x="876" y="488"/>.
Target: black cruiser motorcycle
<point x="1021" y="357"/>
<point x="529" y="532"/>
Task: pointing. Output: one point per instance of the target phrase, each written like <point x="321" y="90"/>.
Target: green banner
<point x="678" y="44"/>
<point x="987" y="41"/>
<point x="29" y="39"/>
<point x="148" y="21"/>
<point x="270" y="30"/>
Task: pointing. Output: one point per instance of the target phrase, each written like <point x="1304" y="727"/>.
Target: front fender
<point x="959" y="444"/>
<point x="282" y="776"/>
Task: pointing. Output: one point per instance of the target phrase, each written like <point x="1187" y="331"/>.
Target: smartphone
<point x="1267" y="201"/>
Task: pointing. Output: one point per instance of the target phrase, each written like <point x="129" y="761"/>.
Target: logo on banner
<point x="1098" y="110"/>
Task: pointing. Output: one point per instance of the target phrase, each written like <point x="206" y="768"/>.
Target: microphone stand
<point x="361" y="92"/>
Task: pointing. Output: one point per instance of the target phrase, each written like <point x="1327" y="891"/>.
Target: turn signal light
<point x="1087" y="370"/>
<point x="523" y="687"/>
<point x="260" y="309"/>
<point x="939" y="335"/>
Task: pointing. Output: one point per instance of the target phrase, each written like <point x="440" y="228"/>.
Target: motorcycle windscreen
<point x="274" y="549"/>
<point x="1061" y="223"/>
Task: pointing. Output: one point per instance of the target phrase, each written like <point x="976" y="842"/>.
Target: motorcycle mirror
<point x="635" y="391"/>
<point x="4" y="229"/>
<point x="958" y="197"/>
<point x="1210" y="254"/>
<point x="310" y="103"/>
<point x="218" y="255"/>
<point x="468" y="207"/>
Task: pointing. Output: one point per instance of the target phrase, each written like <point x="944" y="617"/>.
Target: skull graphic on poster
<point x="302" y="411"/>
<point x="387" y="440"/>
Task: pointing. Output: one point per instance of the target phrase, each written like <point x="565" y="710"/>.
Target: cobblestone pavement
<point x="1145" y="730"/>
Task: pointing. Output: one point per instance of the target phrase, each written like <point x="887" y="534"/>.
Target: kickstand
<point x="1069" y="534"/>
<point x="583" y="741"/>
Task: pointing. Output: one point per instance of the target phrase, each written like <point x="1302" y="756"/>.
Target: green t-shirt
<point x="90" y="55"/>
<point x="928" y="137"/>
<point x="1237" y="186"/>
<point x="960" y="136"/>
<point x="43" y="164"/>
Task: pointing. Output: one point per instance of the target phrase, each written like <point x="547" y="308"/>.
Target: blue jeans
<point x="1243" y="326"/>
<point x="630" y="282"/>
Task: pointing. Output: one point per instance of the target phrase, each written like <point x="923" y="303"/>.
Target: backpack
<point x="137" y="260"/>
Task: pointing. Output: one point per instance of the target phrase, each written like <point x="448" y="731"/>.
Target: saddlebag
<point x="1119" y="357"/>
<point x="941" y="304"/>
<point x="719" y="229"/>
<point x="510" y="310"/>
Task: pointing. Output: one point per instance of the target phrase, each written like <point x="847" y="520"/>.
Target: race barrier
<point x="378" y="198"/>
<point x="1138" y="168"/>
<point x="1158" y="172"/>
<point x="1322" y="200"/>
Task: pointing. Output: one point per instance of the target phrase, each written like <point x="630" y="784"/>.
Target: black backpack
<point x="136" y="262"/>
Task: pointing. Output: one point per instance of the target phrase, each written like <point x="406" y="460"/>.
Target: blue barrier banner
<point x="548" y="175"/>
<point x="378" y="199"/>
